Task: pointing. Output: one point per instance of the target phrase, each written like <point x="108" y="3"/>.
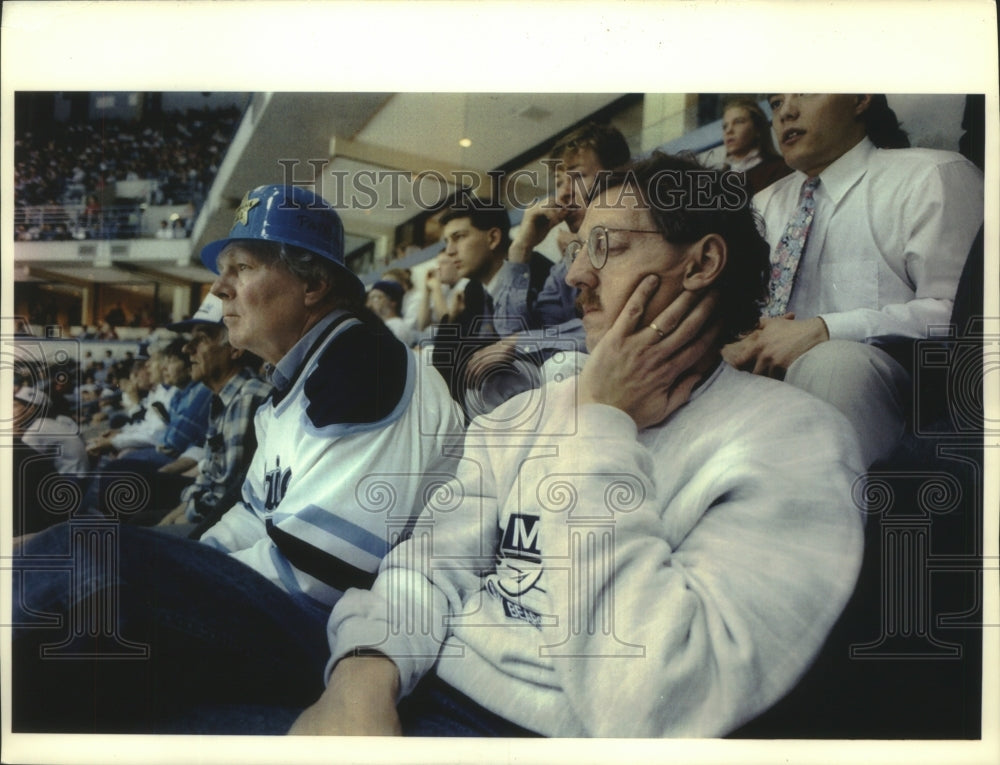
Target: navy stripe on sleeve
<point x="317" y="563"/>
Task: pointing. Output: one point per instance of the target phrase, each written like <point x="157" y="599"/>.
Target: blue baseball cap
<point x="393" y="289"/>
<point x="287" y="214"/>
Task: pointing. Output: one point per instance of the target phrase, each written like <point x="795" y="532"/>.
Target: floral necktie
<point x="788" y="251"/>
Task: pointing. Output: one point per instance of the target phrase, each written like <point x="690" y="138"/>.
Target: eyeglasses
<point x="597" y="244"/>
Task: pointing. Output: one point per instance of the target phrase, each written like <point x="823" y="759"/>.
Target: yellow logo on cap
<point x="245" y="207"/>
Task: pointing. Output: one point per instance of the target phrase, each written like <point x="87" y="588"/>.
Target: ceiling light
<point x="465" y="143"/>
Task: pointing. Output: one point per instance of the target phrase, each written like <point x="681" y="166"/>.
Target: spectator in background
<point x="135" y="387"/>
<point x="161" y="393"/>
<point x="116" y="316"/>
<point x="580" y="157"/>
<point x="435" y="305"/>
<point x="536" y="325"/>
<point x="187" y="414"/>
<point x="385" y="299"/>
<point x="107" y="332"/>
<point x="109" y="403"/>
<point x="144" y="318"/>
<point x="48" y="432"/>
<point x="148" y="430"/>
<point x="410" y="307"/>
<point x="477" y="237"/>
<point x="107" y="365"/>
<point x="230" y="442"/>
<point x="867" y="245"/>
<point x="163" y="466"/>
<point x="187" y="220"/>
<point x="746" y="135"/>
<point x="45" y="444"/>
<point x="89" y="403"/>
<point x="64" y="398"/>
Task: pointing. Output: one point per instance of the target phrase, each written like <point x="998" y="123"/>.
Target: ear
<point x="861" y="103"/>
<point x="316" y="291"/>
<point x="706" y="260"/>
<point x="493" y="238"/>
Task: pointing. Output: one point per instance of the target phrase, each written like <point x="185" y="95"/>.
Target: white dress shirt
<point x="889" y="239"/>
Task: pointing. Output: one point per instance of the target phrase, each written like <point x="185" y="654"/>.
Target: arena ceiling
<point x="368" y="149"/>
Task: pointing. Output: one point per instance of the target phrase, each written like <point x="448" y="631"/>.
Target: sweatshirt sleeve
<point x="405" y="613"/>
<point x="238" y="528"/>
<point x="671" y="624"/>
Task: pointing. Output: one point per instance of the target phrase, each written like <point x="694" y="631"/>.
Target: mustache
<point x="586" y="299"/>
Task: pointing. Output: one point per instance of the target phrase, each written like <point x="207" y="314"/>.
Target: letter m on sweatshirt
<point x="520" y="538"/>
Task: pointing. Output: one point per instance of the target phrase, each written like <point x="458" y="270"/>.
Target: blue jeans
<point x="133" y="489"/>
<point x="119" y="628"/>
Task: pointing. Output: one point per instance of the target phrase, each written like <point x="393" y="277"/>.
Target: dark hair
<point x="882" y="126"/>
<point x="606" y="141"/>
<point x="760" y="122"/>
<point x="664" y="184"/>
<point x="483" y="215"/>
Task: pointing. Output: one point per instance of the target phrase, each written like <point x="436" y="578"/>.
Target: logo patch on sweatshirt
<point x="518" y="567"/>
<point x="520" y="538"/>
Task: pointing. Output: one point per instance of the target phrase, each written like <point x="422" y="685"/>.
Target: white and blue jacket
<point x="350" y="441"/>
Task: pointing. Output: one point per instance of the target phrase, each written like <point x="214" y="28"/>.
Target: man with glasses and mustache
<point x="869" y="240"/>
<point x="660" y="549"/>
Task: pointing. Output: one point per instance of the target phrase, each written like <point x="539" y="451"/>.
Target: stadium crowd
<point x="65" y="173"/>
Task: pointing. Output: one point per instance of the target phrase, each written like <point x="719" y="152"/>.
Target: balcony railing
<point x="56" y="223"/>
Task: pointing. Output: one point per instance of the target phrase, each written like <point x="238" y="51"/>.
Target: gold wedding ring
<point x="659" y="331"/>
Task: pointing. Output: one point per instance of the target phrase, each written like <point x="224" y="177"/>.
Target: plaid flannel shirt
<point x="229" y="443"/>
<point x="188" y="419"/>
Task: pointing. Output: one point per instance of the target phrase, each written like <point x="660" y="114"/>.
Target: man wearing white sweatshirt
<point x="656" y="547"/>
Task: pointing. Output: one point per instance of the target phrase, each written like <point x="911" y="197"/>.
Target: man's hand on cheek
<point x="649" y="371"/>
